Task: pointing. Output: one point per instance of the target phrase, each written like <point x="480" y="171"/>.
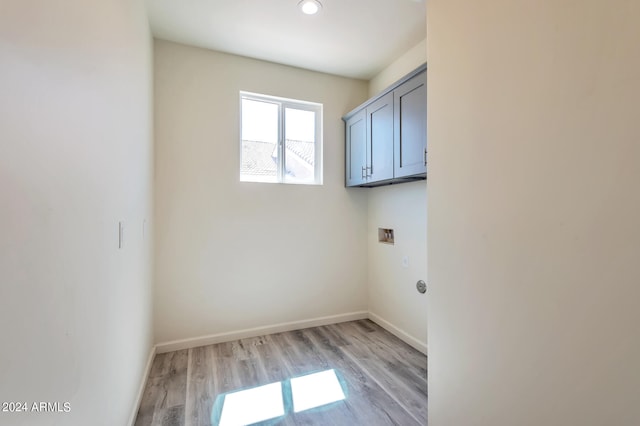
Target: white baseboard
<point x="257" y="331"/>
<point x="143" y="385"/>
<point x="401" y="334"/>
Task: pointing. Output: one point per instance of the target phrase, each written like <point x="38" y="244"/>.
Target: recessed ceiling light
<point x="310" y="7"/>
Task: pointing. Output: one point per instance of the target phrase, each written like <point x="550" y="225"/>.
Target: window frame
<point x="283" y="104"/>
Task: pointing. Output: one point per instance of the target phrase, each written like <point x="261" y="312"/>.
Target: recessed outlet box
<point x="385" y="235"/>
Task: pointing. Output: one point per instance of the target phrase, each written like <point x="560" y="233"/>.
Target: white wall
<point x="406" y="63"/>
<point x="231" y="255"/>
<point x="533" y="231"/>
<point x="75" y="158"/>
<point x="393" y="298"/>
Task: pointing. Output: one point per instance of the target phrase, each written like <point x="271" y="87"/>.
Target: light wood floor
<point x="386" y="379"/>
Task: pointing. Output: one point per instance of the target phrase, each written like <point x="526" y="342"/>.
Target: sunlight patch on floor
<point x="277" y="399"/>
<point x="315" y="390"/>
<point x="252" y="405"/>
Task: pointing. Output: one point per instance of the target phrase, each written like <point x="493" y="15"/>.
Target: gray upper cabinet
<point x="386" y="138"/>
<point x="410" y="109"/>
<point x="369" y="143"/>
<point x="380" y="139"/>
<point x="356" y="152"/>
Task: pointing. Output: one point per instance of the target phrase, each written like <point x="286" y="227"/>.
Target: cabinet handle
<point x="425" y="156"/>
<point x="370" y="171"/>
<point x="364" y="172"/>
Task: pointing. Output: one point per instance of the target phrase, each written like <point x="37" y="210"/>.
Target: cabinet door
<point x="410" y="110"/>
<point x="380" y="139"/>
<point x="356" y="149"/>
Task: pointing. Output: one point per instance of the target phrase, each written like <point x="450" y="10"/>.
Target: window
<point x="281" y="140"/>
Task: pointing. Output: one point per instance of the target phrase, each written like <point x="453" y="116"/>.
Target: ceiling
<point x="352" y="38"/>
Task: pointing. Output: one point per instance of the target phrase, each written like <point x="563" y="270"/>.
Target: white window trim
<point x="282" y="104"/>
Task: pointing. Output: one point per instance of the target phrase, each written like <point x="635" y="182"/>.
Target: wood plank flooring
<point x="385" y="379"/>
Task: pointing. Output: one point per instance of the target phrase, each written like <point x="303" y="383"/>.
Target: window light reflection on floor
<point x="315" y="390"/>
<point x="275" y="400"/>
<point x="252" y="405"/>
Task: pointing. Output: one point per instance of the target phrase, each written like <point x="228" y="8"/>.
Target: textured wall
<point x="533" y="212"/>
<point x="234" y="255"/>
<point x="75" y="159"/>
